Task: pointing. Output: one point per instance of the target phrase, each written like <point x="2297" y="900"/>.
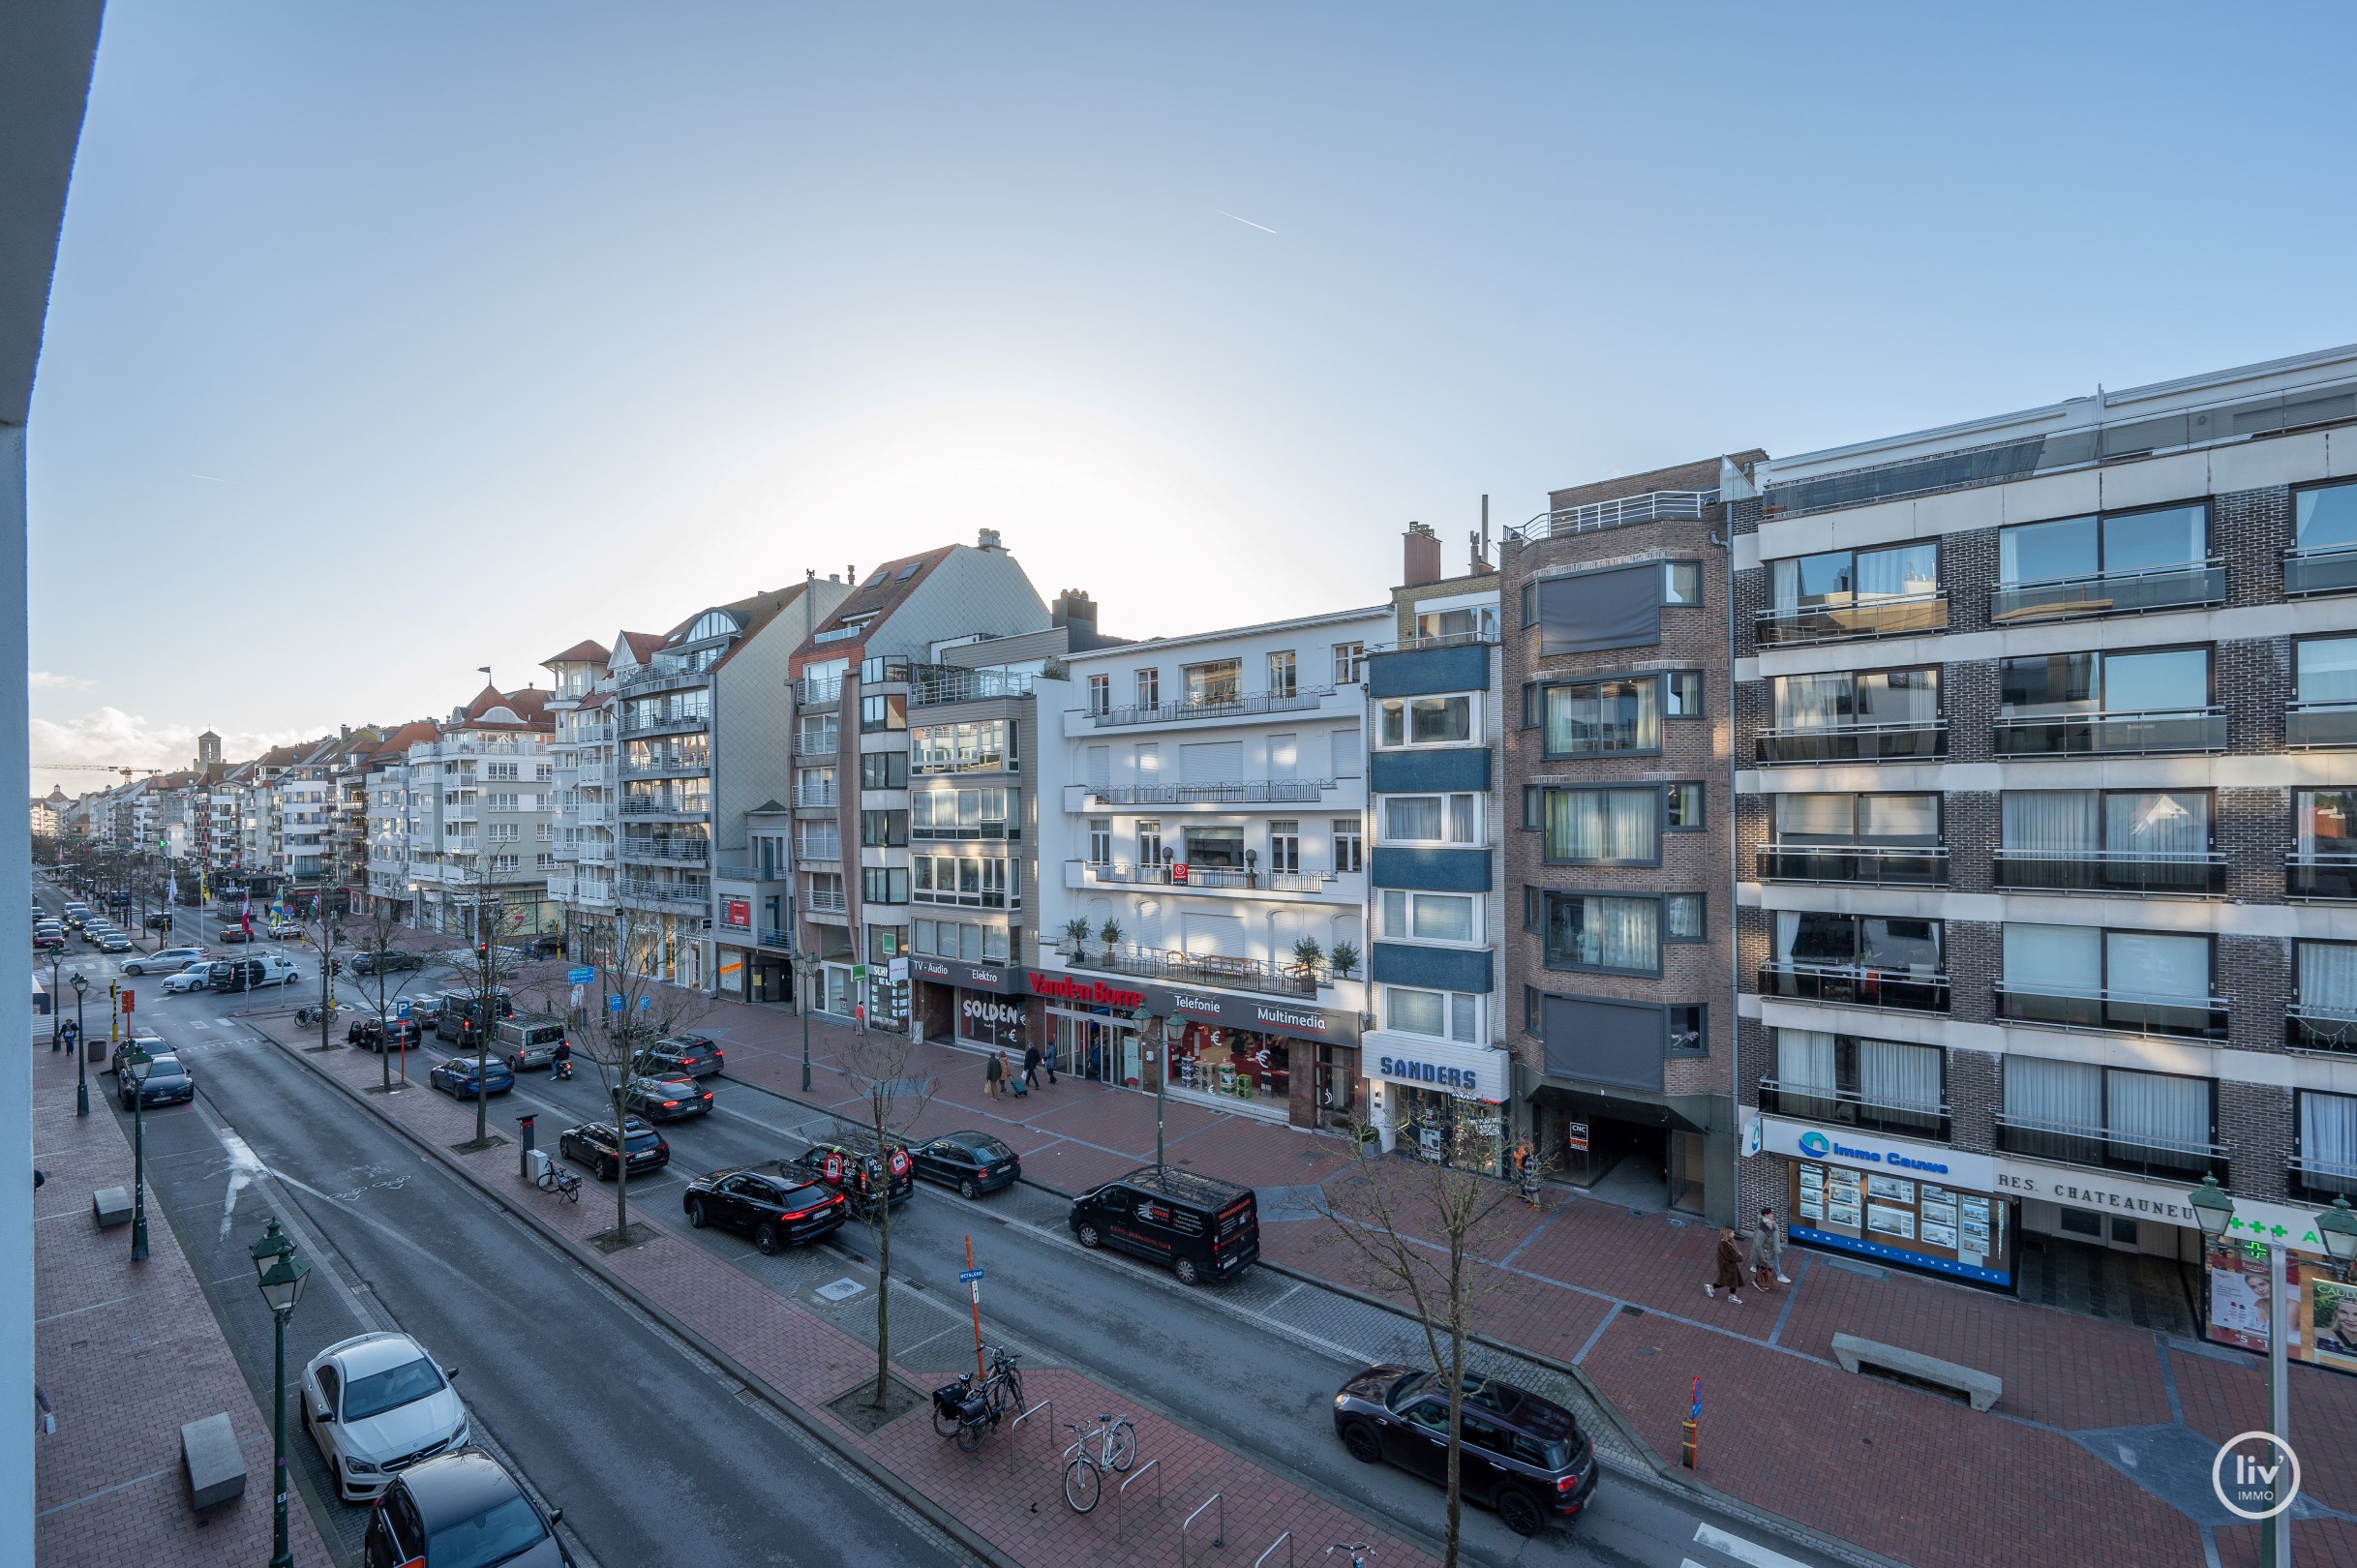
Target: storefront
<point x="1090" y="1025"/>
<point x="1446" y="1102"/>
<point x="983" y="1006"/>
<point x="1919" y="1206"/>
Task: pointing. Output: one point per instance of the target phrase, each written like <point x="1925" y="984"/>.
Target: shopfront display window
<point x="1448" y="1130"/>
<point x="1241" y="1064"/>
<point x="984" y="1019"/>
<point x="1901" y="1220"/>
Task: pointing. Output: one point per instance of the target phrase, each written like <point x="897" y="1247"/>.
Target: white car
<point x="171" y="961"/>
<point x="191" y="978"/>
<point x="376" y="1405"/>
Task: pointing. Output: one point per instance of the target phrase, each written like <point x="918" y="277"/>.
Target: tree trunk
<point x="1455" y="1534"/>
<point x="884" y="1287"/>
<point x="622" y="1171"/>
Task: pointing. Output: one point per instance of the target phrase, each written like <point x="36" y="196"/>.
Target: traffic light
<point x="335" y="966"/>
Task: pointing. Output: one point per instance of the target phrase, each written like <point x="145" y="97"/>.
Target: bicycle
<point x="555" y="1177"/>
<point x="1083" y="1471"/>
<point x="1003" y="1386"/>
<point x="1356" y="1549"/>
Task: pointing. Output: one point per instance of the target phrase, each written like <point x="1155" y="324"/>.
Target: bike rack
<point x="1219" y="1540"/>
<point x="1015" y="1430"/>
<point x="1285" y="1541"/>
<point x="1121" y="1494"/>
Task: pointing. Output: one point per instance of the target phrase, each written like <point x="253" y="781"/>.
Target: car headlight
<point x="353" y="1466"/>
<point x="461" y="1438"/>
<point x="1341" y="1400"/>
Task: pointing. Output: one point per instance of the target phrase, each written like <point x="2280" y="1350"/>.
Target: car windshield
<point x="1407" y="1389"/>
<point x="990" y="1149"/>
<point x="493" y="1536"/>
<point x="379" y="1392"/>
<point x="640" y="1142"/>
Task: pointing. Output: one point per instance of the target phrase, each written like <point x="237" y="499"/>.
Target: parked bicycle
<point x="1116" y="1449"/>
<point x="1004" y="1382"/>
<point x="1358" y="1550"/>
<point x="555" y="1177"/>
<point x="969" y="1411"/>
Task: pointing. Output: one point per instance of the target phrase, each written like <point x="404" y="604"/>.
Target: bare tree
<point x="1420" y="1232"/>
<point x="878" y="1063"/>
<point x="324" y="928"/>
<point x="375" y="939"/>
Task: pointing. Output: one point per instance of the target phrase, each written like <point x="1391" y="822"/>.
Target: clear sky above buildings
<point x="391" y="341"/>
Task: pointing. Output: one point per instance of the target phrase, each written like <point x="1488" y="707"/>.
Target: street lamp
<point x="279" y="1273"/>
<point x="81" y="1053"/>
<point x="802" y="966"/>
<point x="1145" y="1020"/>
<point x="2338" y="1226"/>
<point x="136" y="1062"/>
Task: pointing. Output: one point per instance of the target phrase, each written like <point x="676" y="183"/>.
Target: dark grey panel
<point x="1604" y="1041"/>
<point x="1593" y="609"/>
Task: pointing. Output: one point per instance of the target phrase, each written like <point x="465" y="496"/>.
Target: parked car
<point x="853" y="1171"/>
<point x="251" y="974"/>
<point x="388" y="962"/>
<point x="462" y="1013"/>
<point x="593" y="1144"/>
<point x="693" y="1055"/>
<point x="375" y="1032"/>
<point x="461" y="1510"/>
<point x="1521" y="1455"/>
<point x="776" y="1204"/>
<point x="285" y="930"/>
<point x="146" y="1040"/>
<point x="667" y="1099"/>
<point x="197" y="976"/>
<point x="376" y="1405"/>
<point x="169" y="1083"/>
<point x="973" y="1163"/>
<point x="171" y="961"/>
<point x="528" y="1040"/>
<point x="1202" y="1228"/>
<point x="457" y="1077"/>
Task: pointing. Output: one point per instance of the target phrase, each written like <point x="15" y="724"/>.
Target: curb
<point x="866" y="1463"/>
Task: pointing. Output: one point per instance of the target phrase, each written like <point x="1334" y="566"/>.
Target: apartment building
<point x="392" y="821"/>
<point x="480" y="822"/>
<point x="585" y="768"/>
<point x="1211" y="845"/>
<point x="1619" y="861"/>
<point x="1438" y="1078"/>
<point x="2047" y="759"/>
<point x="47" y="819"/>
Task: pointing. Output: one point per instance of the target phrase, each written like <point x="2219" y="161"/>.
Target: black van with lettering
<point x="1202" y="1228"/>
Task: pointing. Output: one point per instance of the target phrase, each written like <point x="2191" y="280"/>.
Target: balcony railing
<point x="2110" y="871"/>
<point x="671" y="767"/>
<point x="814" y="693"/>
<point x="1261" y="701"/>
<point x="2097" y="1148"/>
<point x="664" y="806"/>
<point x="686" y="724"/>
<point x="1846" y="1108"/>
<point x="1876" y="864"/>
<point x="2332" y="570"/>
<point x="823" y="745"/>
<point x="1653" y="507"/>
<point x="2122" y="733"/>
<point x="2320" y="1029"/>
<point x="1193" y="969"/>
<point x="2110" y="593"/>
<point x="2320" y="1181"/>
<point x="1840" y="622"/>
<point x="748" y="871"/>
<point x="771" y="937"/>
<point x="1205" y="876"/>
<point x="669" y="851"/>
<point x="683" y="894"/>
<point x="1256" y="792"/>
<point x="2055" y="1007"/>
<point x="806" y="795"/>
<point x="2320" y="875"/>
<point x="829" y="900"/>
<point x="1855" y="985"/>
<point x="2320" y="726"/>
<point x="938" y="685"/>
<point x="828" y="848"/>
<point x="658" y="673"/>
<point x="1917" y="741"/>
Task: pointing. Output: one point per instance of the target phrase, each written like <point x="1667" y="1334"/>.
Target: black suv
<point x="1523" y="1455"/>
<point x="777" y="1204"/>
<point x="388" y="962"/>
<point x="855" y="1172"/>
<point x="464" y="1013"/>
<point x="689" y="1055"/>
<point x="593" y="1144"/>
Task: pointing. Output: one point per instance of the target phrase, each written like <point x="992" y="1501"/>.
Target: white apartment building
<point x="1205" y="820"/>
<point x="581" y="753"/>
<point x="482" y="822"/>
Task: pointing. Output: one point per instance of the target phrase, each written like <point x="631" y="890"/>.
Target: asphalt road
<point x="654" y="1466"/>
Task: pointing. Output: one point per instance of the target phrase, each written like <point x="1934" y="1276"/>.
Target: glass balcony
<point x="2113" y="1011"/>
<point x="2093" y="735"/>
<point x="2320" y="1029"/>
<point x="2320" y="571"/>
<point x="1842" y="1107"/>
<point x="2320" y="726"/>
<point x="2320" y="876"/>
<point x="2097" y="1148"/>
<point x="1192" y="969"/>
<point x="1855" y="985"/>
<point x="1922" y="740"/>
<point x="2202" y="876"/>
<point x="1873" y="865"/>
<point x="1840" y="622"/>
<point x="2110" y="593"/>
<point x="1259" y="702"/>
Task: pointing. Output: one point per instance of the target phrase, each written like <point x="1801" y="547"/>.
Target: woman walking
<point x="992" y="1071"/>
<point x="1728" y="1259"/>
<point x="1768" y="1251"/>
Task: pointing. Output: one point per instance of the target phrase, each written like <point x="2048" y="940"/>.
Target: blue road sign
<point x="401" y="1009"/>
<point x="645" y="1004"/>
<point x="969" y="1277"/>
<point x="613" y="1002"/>
<point x="581" y="976"/>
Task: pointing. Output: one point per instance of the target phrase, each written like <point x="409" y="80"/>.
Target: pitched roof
<point x="641" y="645"/>
<point x="873" y="602"/>
<point x="589" y="650"/>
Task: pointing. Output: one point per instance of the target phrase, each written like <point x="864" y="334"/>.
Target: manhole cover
<point x="840" y="1290"/>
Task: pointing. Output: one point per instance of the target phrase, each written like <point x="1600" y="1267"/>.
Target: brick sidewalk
<point x="127" y="1352"/>
<point x="1785" y="1429"/>
<point x="810" y="1361"/>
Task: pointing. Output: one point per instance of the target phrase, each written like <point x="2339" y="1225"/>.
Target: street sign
<point x="969" y="1276"/>
<point x="859" y="973"/>
<point x="614" y="1001"/>
<point x="401" y="1009"/>
<point x="896" y="971"/>
<point x="645" y="1004"/>
<point x="581" y="976"/>
<point x="128" y="999"/>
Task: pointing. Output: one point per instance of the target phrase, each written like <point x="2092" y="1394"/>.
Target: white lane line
<point x="244" y="1165"/>
<point x="1742" y="1550"/>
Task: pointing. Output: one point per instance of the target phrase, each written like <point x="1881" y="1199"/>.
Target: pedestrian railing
<point x="1218" y="1499"/>
<point x="1015" y="1430"/>
<point x="1121" y="1497"/>
<point x="1285" y="1541"/>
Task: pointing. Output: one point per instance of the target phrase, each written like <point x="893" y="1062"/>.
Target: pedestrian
<point x="1096" y="1059"/>
<point x="1031" y="1067"/>
<point x="994" y="1071"/>
<point x="1047" y="1059"/>
<point x="1006" y="1071"/>
<point x="1728" y="1259"/>
<point x="1768" y="1251"/>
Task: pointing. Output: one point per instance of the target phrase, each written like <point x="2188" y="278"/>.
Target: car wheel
<point x="1088" y="1237"/>
<point x="335" y="1473"/>
<point x="966" y="1187"/>
<point x="1187" y="1274"/>
<point x="695" y="1212"/>
<point x="1362" y="1442"/>
<point x="766" y="1240"/>
<point x="1521" y="1516"/>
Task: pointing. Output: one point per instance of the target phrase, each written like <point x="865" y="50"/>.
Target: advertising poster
<point x="1891" y="1222"/>
<point x="2321" y="1310"/>
<point x="1890" y="1189"/>
<point x="2333" y="1314"/>
<point x="1899" y="1220"/>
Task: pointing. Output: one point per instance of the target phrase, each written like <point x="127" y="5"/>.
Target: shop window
<point x="2083" y="1222"/>
<point x="1239" y="1062"/>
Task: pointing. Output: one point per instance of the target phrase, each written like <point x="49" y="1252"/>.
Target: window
<point x="884" y="830"/>
<point x="2162" y="680"/>
<point x="1426" y="721"/>
<point x="880" y="771"/>
<point x="2083" y="977"/>
<point x="1604" y="932"/>
<point x="2325" y="517"/>
<point x="1681" y="919"/>
<point x="2079" y="1113"/>
<point x="1349" y="663"/>
<point x="1685" y="693"/>
<point x="818" y="733"/>
<point x="1285" y="846"/>
<point x="1425" y="917"/>
<point x="1100" y="694"/>
<point x="978" y="813"/>
<point x="1610" y="827"/>
<point x="988" y="744"/>
<point x="1283" y="680"/>
<point x="1430" y="819"/>
<point x="1219" y="680"/>
<point x="1597" y="718"/>
<point x="1689" y="1030"/>
<point x="1845" y="699"/>
<point x="1149" y="688"/>
<point x="2324" y="1016"/>
<point x="1100" y="841"/>
<point x="1533" y="1023"/>
<point x="884" y="710"/>
<point x="1820" y="939"/>
<point x="1683" y="808"/>
<point x="1871" y="1083"/>
<point x="1840" y="578"/>
<point x="963" y="879"/>
<point x="1348" y="845"/>
<point x="1435" y="1014"/>
<point x="884" y="885"/>
<point x="2326" y="1164"/>
<point x="1466" y="623"/>
<point x="1149" y="842"/>
<point x="2080" y="547"/>
<point x="1682" y="581"/>
<point x="2092" y="838"/>
<point x="2326" y="671"/>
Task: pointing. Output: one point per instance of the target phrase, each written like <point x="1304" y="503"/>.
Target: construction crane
<point x="95" y="767"/>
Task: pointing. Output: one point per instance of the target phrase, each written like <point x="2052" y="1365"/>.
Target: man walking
<point x="1031" y="1067"/>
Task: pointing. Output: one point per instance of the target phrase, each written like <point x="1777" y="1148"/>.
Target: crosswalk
<point x="1750" y="1553"/>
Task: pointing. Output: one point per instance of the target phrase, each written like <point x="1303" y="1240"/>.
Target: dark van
<point x="233" y="975"/>
<point x="1202" y="1228"/>
<point x="464" y="1013"/>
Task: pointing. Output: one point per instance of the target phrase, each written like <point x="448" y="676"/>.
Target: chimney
<point x="1423" y="562"/>
<point x="989" y="541"/>
<point x="1075" y="610"/>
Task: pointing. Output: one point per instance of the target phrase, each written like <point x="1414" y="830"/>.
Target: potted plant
<point x="1076" y="937"/>
<point x="1344" y="959"/>
<point x="1307" y="957"/>
<point x="1110" y="935"/>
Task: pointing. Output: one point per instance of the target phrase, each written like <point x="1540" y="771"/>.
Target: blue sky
<point x="391" y="341"/>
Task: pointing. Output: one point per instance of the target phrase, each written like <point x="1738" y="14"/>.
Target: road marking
<point x="1742" y="1550"/>
<point x="244" y="1165"/>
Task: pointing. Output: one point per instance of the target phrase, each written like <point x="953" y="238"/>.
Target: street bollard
<point x="524" y="1156"/>
<point x="1692" y="1428"/>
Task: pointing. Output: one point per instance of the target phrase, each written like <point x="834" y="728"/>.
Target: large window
<point x="1596" y="719"/>
<point x="2326" y="1166"/>
<point x="1874" y="838"/>
<point x="818" y="733"/>
<point x="1855" y="716"/>
<point x="2080" y="1114"/>
<point x="884" y="770"/>
<point x="1873" y="1083"/>
<point x="2324" y="693"/>
<point x="1454" y="1016"/>
<point x="2323" y="556"/>
<point x="1613" y="827"/>
<point x="2097" y="566"/>
<point x="884" y="710"/>
<point x="1221" y="680"/>
<point x="1429" y="916"/>
<point x="964" y="879"/>
<point x="1430" y="819"/>
<point x="965" y="814"/>
<point x="1603" y="932"/>
<point x="1845" y="592"/>
<point x="2109" y="840"/>
<point x="2323" y="1017"/>
<point x="2148" y="700"/>
<point x="988" y="744"/>
<point x="2083" y="977"/>
<point x="1426" y="721"/>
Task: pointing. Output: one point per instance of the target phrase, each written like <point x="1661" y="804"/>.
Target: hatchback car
<point x="693" y="1055"/>
<point x="169" y="1083"/>
<point x="376" y="1405"/>
<point x="197" y="976"/>
<point x="593" y="1144"/>
<point x="171" y="961"/>
<point x="777" y="1204"/>
<point x="856" y="1173"/>
<point x="233" y="932"/>
<point x="973" y="1163"/>
<point x="459" y="1078"/>
<point x="461" y="1510"/>
<point x="48" y="938"/>
<point x="1521" y="1455"/>
<point x="667" y="1099"/>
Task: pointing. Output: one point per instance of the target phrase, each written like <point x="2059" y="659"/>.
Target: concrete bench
<point x="1857" y="1356"/>
<point x="113" y="1205"/>
<point x="216" y="1464"/>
